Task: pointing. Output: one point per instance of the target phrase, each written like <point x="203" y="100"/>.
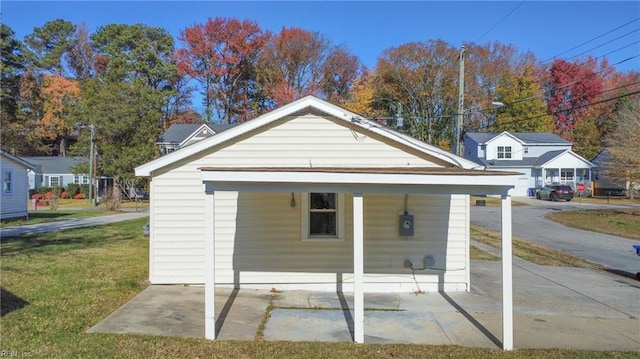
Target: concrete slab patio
<point x="554" y="307"/>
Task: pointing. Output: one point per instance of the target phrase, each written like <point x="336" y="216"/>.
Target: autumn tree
<point x="524" y="108"/>
<point x="418" y="81"/>
<point x="570" y="89"/>
<point x="496" y="72"/>
<point x="623" y="144"/>
<point x="60" y="95"/>
<point x="221" y="54"/>
<point x="297" y="63"/>
<point x="361" y="99"/>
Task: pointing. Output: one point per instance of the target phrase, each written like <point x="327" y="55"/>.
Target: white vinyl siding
<point x="13" y="203"/>
<point x="258" y="235"/>
<point x="311" y="141"/>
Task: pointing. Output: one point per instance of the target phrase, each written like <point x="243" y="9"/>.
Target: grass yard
<point x="48" y="215"/>
<point x="56" y="286"/>
<point x="618" y="222"/>
<point x="529" y="251"/>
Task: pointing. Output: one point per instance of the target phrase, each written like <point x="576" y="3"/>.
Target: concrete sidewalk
<point x="554" y="307"/>
<point x="70" y="223"/>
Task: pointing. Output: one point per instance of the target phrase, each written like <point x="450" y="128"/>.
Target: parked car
<point x="555" y="192"/>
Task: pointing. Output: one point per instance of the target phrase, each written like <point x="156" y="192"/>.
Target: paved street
<point x="70" y="223"/>
<point x="613" y="252"/>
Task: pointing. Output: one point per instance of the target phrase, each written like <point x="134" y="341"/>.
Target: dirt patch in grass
<point x="530" y="251"/>
<point x="617" y="222"/>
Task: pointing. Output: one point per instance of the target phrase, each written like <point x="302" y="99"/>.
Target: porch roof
<point x="428" y="180"/>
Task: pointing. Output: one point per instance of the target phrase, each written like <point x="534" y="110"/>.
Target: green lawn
<point x="56" y="286"/>
<point x="48" y="215"/>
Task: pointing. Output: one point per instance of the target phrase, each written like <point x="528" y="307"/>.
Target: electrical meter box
<point x="406" y="224"/>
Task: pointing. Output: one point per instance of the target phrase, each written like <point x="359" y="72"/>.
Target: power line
<point x="500" y="21"/>
<point x="593" y="39"/>
<point x="606" y="43"/>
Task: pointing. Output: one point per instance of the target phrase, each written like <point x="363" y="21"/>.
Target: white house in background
<point x="180" y="135"/>
<point x="541" y="158"/>
<point x="312" y="196"/>
<point x="15" y="187"/>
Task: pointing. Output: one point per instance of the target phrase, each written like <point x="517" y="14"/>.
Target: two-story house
<point x="182" y="134"/>
<point x="542" y="158"/>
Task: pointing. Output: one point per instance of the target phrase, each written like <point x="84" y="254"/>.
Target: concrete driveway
<point x="614" y="253"/>
<point x="554" y="307"/>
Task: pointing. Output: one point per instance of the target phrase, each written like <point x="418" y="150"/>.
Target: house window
<point x="7" y="182"/>
<point x="566" y="174"/>
<point x="54" y="181"/>
<point x="80" y="179"/>
<point x="526" y="149"/>
<point x="504" y="152"/>
<point x="323" y="216"/>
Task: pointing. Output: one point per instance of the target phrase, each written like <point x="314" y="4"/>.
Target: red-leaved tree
<point x="572" y="88"/>
<point x="221" y="54"/>
<point x="297" y="63"/>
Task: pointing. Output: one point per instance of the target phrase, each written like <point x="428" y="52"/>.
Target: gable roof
<point x="543" y="161"/>
<point x="304" y="104"/>
<point x="55" y="164"/>
<point x="527" y="138"/>
<point x="16" y="159"/>
<point x="180" y="132"/>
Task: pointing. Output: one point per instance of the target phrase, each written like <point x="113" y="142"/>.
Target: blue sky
<point x="367" y="28"/>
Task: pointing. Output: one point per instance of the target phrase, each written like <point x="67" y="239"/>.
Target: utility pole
<point x="460" y="115"/>
<point x="92" y="175"/>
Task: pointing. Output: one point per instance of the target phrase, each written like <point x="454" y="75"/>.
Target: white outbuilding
<point x="15" y="186"/>
<point x="312" y="196"/>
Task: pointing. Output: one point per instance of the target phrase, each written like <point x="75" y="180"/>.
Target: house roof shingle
<point x="54" y="164"/>
<point x="526" y="137"/>
<point x="178" y="132"/>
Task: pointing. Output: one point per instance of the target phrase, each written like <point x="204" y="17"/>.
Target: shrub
<point x="73" y="189"/>
<point x="63" y="195"/>
<point x="79" y="196"/>
<point x="37" y="196"/>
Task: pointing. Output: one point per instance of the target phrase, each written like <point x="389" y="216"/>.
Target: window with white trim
<point x="323" y="216"/>
<point x="504" y="152"/>
<point x="54" y="181"/>
<point x="7" y="182"/>
<point x="80" y="179"/>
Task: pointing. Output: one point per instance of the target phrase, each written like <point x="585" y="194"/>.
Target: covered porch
<point x="359" y="182"/>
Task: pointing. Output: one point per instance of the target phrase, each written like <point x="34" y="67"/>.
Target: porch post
<point x="209" y="264"/>
<point x="358" y="268"/>
<point x="507" y="275"/>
